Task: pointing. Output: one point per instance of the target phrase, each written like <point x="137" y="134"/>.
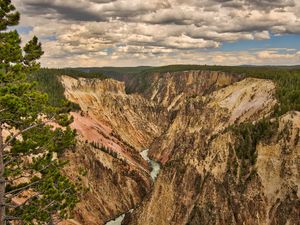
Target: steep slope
<point x="113" y="127"/>
<point x="278" y="166"/>
<point x="110" y="186"/>
<point x="170" y="89"/>
<point x="209" y="177"/>
<point x="135" y="119"/>
<point x="209" y="114"/>
<point x="223" y="160"/>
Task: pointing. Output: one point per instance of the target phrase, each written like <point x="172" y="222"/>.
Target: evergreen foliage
<point x="249" y="135"/>
<point x="104" y="149"/>
<point x="287" y="79"/>
<point x="48" y="82"/>
<point x="29" y="155"/>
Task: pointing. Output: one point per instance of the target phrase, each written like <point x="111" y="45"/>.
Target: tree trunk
<point x="2" y="181"/>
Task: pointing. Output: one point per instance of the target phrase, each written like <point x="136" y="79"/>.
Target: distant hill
<point x="139" y="78"/>
<point x="119" y="71"/>
<point x="113" y="70"/>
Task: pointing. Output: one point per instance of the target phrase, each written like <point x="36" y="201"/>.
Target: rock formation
<point x="191" y="121"/>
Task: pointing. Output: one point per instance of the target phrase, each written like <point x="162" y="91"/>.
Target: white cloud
<point x="157" y="31"/>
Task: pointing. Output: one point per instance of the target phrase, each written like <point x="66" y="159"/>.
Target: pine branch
<point x="25" y="130"/>
<point x="11" y="218"/>
<point x="53" y="201"/>
<point x="12" y="121"/>
<point x="10" y="161"/>
<point x="18" y="190"/>
<point x="3" y="110"/>
<point x="17" y="178"/>
<point x="35" y="151"/>
<point x="24" y="203"/>
<point x="18" y="155"/>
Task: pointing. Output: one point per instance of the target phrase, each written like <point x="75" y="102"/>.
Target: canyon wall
<point x="112" y="129"/>
<point x="193" y="122"/>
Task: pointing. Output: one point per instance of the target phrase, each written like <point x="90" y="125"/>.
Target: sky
<point x="94" y="33"/>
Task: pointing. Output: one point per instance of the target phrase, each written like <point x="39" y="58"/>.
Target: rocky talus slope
<point x="225" y="160"/>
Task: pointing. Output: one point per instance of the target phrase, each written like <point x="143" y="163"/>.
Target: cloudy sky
<point x="159" y="32"/>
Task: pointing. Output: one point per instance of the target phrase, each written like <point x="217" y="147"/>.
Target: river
<point x="155" y="168"/>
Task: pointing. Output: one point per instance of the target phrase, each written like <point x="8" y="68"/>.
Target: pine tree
<point x="32" y="188"/>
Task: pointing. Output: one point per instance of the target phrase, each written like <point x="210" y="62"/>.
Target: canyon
<point x="190" y="124"/>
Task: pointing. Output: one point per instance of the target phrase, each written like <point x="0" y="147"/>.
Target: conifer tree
<point x="32" y="188"/>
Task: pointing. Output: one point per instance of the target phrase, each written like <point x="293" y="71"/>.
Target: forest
<point x="47" y="80"/>
<point x="286" y="78"/>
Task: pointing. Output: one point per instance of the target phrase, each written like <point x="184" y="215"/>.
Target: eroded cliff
<point x="113" y="128"/>
<point x="135" y="119"/>
<point x="225" y="159"/>
<point x="211" y="176"/>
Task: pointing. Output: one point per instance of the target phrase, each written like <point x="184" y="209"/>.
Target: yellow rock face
<point x="183" y="118"/>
